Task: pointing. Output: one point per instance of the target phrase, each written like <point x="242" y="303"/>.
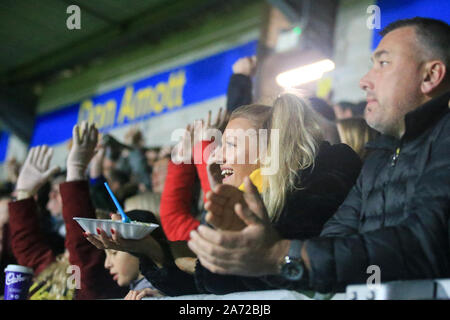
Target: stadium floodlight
<point x="304" y="74"/>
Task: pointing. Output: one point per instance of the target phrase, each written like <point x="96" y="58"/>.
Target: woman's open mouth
<point x="226" y="172"/>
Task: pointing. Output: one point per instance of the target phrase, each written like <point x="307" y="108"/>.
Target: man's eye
<point x="383" y="63"/>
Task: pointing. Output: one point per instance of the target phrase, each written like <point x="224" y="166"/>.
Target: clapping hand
<point x="256" y="250"/>
<point x="220" y="203"/>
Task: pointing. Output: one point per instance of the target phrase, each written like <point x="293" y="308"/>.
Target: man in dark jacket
<point x="397" y="216"/>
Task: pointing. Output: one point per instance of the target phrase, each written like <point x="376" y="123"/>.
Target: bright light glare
<point x="305" y="74"/>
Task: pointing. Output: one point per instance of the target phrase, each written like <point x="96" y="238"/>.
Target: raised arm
<point x="95" y="281"/>
<point x="240" y="85"/>
<point x="28" y="243"/>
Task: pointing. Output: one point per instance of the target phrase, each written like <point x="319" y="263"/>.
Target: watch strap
<point x="295" y="249"/>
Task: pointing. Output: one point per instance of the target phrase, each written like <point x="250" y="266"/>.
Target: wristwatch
<point x="293" y="267"/>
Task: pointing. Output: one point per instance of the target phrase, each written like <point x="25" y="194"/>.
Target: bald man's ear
<point x="435" y="74"/>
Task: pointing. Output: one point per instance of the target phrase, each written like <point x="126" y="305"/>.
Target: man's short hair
<point x="433" y="34"/>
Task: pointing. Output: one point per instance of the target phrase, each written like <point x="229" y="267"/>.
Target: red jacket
<point x="31" y="250"/>
<point x="175" y="210"/>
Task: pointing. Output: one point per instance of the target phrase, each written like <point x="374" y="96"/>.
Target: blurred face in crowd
<point x="123" y="267"/>
<point x="393" y="84"/>
<point x="114" y="185"/>
<point x="108" y="165"/>
<point x="159" y="174"/>
<point x="234" y="150"/>
<point x="54" y="204"/>
<point x="151" y="156"/>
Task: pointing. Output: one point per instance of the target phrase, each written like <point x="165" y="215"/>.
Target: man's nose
<point x="366" y="83"/>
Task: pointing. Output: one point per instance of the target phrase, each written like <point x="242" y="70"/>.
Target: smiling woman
<point x="240" y="142"/>
<point x="295" y="139"/>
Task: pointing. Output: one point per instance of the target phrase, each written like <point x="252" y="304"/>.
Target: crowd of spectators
<point x="356" y="184"/>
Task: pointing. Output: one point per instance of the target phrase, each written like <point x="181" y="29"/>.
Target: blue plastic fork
<point x="119" y="208"/>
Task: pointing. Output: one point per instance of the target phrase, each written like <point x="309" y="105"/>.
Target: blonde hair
<point x="299" y="139"/>
<point x="356" y="133"/>
<point x="148" y="200"/>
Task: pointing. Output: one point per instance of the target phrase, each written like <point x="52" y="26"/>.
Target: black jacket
<point x="324" y="189"/>
<point x="397" y="215"/>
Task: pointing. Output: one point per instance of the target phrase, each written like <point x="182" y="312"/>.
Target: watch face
<point x="292" y="270"/>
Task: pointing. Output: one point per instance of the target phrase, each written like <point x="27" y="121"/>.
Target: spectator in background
<point x="178" y="210"/>
<point x="150" y="200"/>
<point x="118" y="181"/>
<point x="159" y="173"/>
<point x="147" y="200"/>
<point x="356" y="133"/>
<point x="133" y="161"/>
<point x="49" y="205"/>
<point x="29" y="243"/>
<point x="152" y="155"/>
<point x="54" y="205"/>
<point x="121" y="184"/>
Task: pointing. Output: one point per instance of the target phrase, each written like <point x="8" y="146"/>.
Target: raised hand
<point x="35" y="171"/>
<point x="220" y="122"/>
<point x="82" y="151"/>
<point x="208" y="130"/>
<point x="182" y="152"/>
<point x="245" y="66"/>
<point x="196" y="132"/>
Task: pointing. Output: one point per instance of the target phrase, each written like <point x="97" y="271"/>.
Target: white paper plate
<point x="133" y="230"/>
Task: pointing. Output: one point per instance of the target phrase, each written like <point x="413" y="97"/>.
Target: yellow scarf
<point x="256" y="178"/>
